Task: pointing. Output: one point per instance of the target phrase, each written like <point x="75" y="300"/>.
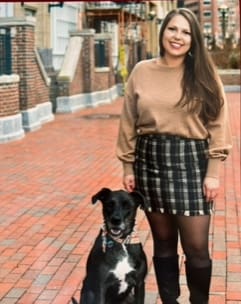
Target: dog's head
<point x="119" y="210"/>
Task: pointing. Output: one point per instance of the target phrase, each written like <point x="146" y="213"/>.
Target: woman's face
<point x="176" y="38"/>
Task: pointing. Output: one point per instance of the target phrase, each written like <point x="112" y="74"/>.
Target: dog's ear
<point x="138" y="198"/>
<point x="74" y="301"/>
<point x="101" y="195"/>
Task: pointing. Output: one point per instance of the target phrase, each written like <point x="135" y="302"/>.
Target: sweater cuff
<point x="128" y="169"/>
<point x="213" y="167"/>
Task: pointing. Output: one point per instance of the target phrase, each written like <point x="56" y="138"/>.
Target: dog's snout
<point x="116" y="220"/>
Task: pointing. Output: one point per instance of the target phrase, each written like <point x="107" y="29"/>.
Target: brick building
<point x="219" y="19"/>
<point x="24" y="98"/>
<point x="59" y="57"/>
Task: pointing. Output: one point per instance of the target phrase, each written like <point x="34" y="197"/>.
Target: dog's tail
<point x="74" y="301"/>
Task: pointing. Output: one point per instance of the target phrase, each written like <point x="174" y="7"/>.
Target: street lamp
<point x="223" y="14"/>
<point x="208" y="38"/>
<point x="151" y="15"/>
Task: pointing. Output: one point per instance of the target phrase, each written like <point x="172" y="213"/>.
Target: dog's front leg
<point x="92" y="297"/>
<point x="140" y="293"/>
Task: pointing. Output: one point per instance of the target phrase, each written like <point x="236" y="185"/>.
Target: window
<point x="207" y="13"/>
<point x="207" y="2"/>
<point x="207" y="26"/>
<point x="5" y="51"/>
<point x="101" y="58"/>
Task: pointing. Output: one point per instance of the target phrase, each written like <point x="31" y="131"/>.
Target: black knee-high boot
<point x="198" y="282"/>
<point x="167" y="276"/>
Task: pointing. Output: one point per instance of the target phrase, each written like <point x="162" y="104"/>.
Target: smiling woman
<point x="176" y="40"/>
<point x="174" y="132"/>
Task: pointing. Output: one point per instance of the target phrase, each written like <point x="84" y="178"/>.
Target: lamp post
<point x="151" y="16"/>
<point x="223" y="14"/>
<point x="208" y="38"/>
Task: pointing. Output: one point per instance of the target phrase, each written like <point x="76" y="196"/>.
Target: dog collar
<point x="108" y="240"/>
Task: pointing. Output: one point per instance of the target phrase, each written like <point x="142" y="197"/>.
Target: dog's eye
<point x="109" y="206"/>
<point x="125" y="205"/>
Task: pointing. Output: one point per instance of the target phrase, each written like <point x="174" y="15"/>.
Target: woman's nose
<point x="177" y="35"/>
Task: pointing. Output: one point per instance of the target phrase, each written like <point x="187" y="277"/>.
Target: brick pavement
<point x="47" y="224"/>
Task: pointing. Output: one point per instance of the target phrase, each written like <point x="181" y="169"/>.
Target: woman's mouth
<point x="176" y="45"/>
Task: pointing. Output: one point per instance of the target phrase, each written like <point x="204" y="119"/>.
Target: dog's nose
<point x="116" y="220"/>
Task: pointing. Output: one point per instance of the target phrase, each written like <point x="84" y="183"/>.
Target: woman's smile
<point x="176" y="45"/>
<point x="177" y="37"/>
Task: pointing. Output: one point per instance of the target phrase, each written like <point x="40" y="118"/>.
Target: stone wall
<point x="24" y="101"/>
<point x="9" y="95"/>
<point x="81" y="84"/>
<point x="230" y="77"/>
<point x="10" y="116"/>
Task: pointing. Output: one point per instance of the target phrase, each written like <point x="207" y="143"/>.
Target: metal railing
<point x="138" y="9"/>
<point x="5" y="51"/>
<point x="102" y="5"/>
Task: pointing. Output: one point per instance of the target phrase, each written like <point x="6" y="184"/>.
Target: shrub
<point x="227" y="58"/>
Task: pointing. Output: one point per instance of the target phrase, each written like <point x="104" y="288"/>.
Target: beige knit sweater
<point x="151" y="95"/>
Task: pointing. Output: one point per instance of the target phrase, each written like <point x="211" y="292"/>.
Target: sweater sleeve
<point x="220" y="139"/>
<point x="127" y="129"/>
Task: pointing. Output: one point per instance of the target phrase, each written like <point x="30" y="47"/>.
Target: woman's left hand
<point x="211" y="188"/>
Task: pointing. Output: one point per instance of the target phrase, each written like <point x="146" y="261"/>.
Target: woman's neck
<point x="171" y="61"/>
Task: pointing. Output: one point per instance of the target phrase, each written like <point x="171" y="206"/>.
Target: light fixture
<point x="151" y="15"/>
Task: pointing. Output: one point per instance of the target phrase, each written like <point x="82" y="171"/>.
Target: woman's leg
<point x="194" y="232"/>
<point x="165" y="260"/>
<point x="164" y="233"/>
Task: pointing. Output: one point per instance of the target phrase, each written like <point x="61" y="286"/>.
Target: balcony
<point x="102" y="5"/>
<point x="136" y="9"/>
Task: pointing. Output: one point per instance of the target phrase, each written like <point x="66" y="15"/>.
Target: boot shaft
<point x="198" y="281"/>
<point x="167" y="276"/>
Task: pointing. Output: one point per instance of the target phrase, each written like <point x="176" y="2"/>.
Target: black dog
<point x="116" y="266"/>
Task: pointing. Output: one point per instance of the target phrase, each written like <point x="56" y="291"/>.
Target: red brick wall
<point x="32" y="88"/>
<point x="230" y="78"/>
<point x="24" y="64"/>
<point x="101" y="81"/>
<point x="9" y="99"/>
<point x="88" y="62"/>
<point x="76" y="86"/>
<point x="42" y="90"/>
<point x="86" y="78"/>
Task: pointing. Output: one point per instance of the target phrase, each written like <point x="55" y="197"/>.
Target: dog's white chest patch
<point x="122" y="268"/>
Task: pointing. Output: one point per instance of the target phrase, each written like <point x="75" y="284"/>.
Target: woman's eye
<point x="171" y="28"/>
<point x="187" y="33"/>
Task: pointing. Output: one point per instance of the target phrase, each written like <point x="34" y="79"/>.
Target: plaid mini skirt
<point x="169" y="171"/>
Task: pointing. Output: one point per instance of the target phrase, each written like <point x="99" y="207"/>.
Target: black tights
<point x="193" y="232"/>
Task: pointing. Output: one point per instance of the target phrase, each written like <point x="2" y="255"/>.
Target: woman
<point x="173" y="135"/>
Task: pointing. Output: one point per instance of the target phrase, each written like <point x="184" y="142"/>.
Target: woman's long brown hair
<point x="201" y="91"/>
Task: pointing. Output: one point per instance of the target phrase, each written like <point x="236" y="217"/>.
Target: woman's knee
<point x="197" y="256"/>
<point x="164" y="233"/>
<point x="165" y="248"/>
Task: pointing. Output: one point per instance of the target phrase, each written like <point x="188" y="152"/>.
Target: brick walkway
<point x="47" y="224"/>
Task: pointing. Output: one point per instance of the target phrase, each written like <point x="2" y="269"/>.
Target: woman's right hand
<point x="129" y="182"/>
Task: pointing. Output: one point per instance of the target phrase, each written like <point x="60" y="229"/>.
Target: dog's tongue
<point x="116" y="232"/>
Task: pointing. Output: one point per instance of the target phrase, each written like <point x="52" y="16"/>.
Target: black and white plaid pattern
<point x="169" y="171"/>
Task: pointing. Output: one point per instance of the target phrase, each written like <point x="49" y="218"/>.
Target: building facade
<point x="219" y="19"/>
<point x="63" y="56"/>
